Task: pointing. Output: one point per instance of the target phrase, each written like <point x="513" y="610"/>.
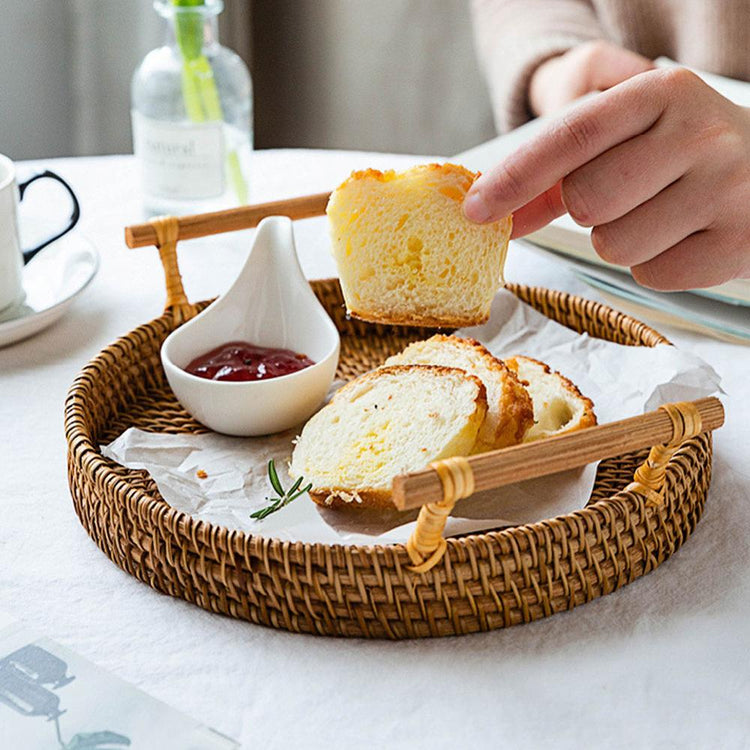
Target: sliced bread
<point x="406" y="254"/>
<point x="387" y="422"/>
<point x="559" y="407"/>
<point x="509" y="410"/>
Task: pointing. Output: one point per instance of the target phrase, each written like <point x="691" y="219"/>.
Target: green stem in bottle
<point x="191" y="94"/>
<point x="199" y="92"/>
<point x="204" y="77"/>
<point x="236" y="177"/>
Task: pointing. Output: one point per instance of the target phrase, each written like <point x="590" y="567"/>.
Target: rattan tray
<point x="484" y="581"/>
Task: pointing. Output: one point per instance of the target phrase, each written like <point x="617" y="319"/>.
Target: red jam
<point x="239" y="360"/>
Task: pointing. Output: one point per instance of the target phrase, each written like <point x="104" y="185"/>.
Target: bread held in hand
<point x="406" y="254"/>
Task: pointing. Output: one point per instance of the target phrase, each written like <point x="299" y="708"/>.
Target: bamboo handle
<point x="543" y="457"/>
<point x="232" y="219"/>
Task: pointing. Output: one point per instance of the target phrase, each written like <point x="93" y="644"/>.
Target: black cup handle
<point x="74" y="215"/>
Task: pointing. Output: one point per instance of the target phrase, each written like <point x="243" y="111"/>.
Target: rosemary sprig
<point x="284" y="497"/>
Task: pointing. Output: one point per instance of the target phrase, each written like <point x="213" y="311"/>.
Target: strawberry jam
<point x="240" y="360"/>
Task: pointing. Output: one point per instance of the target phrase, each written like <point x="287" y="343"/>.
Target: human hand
<point x="659" y="166"/>
<point x="591" y="66"/>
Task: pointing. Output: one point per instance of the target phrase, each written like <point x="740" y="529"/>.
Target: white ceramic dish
<point x="270" y="304"/>
<point x="51" y="281"/>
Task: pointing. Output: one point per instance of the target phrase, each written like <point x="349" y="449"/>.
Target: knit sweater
<point x="513" y="37"/>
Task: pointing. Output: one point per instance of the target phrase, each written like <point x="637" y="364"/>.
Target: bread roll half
<point x="406" y="254"/>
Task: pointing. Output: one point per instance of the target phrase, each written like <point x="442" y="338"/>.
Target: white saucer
<point x="52" y="280"/>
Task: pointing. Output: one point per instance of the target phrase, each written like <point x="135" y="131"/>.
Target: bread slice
<point x="387" y="422"/>
<point x="509" y="410"/>
<point x="406" y="254"/>
<point x="559" y="407"/>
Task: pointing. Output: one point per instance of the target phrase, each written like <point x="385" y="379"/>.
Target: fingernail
<point x="475" y="209"/>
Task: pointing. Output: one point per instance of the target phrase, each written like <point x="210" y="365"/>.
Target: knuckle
<point x="579" y="132"/>
<point x="578" y="200"/>
<point x="678" y="81"/>
<point x="508" y="184"/>
<point x="718" y="135"/>
<point x="550" y="204"/>
<point x="594" y="49"/>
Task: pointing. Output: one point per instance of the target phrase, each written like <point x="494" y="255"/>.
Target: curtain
<point x="391" y="75"/>
<point x="236" y="28"/>
<point x="109" y="38"/>
<point x="66" y="66"/>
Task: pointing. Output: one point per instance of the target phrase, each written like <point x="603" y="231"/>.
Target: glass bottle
<point x="192" y="115"/>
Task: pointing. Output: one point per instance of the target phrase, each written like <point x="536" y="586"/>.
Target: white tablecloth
<point x="664" y="662"/>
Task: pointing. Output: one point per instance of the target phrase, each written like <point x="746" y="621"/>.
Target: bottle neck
<point x="191" y="34"/>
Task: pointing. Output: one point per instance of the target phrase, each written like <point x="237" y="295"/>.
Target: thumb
<point x="538" y="212"/>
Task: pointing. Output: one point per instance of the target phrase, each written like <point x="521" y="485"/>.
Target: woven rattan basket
<point x="484" y="581"/>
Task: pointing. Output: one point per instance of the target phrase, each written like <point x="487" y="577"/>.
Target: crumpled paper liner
<point x="622" y="381"/>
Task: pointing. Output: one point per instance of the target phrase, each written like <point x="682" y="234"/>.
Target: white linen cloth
<point x="664" y="662"/>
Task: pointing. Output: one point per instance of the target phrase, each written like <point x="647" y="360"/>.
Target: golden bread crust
<point x="513" y="414"/>
<point x="434" y="169"/>
<point x="339" y="498"/>
<point x="422" y="321"/>
<point x="480" y="400"/>
<point x="516" y="409"/>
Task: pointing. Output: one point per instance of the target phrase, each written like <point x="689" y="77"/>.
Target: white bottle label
<point x="182" y="161"/>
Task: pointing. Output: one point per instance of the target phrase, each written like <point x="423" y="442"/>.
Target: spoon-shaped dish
<point x="270" y="304"/>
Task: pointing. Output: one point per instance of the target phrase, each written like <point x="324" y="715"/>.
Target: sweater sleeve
<point x="513" y="37"/>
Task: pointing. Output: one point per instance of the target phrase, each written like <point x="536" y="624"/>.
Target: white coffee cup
<point x="12" y="257"/>
<point x="11" y="260"/>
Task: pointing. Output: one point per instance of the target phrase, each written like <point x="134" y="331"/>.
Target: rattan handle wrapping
<point x="648" y="479"/>
<point x="439" y="487"/>
<point x="165" y="229"/>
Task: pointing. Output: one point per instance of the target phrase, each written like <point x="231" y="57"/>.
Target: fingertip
<point x="476" y="209"/>
<point x="642" y="274"/>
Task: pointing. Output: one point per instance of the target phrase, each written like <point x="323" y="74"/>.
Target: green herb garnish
<point x="284" y="497"/>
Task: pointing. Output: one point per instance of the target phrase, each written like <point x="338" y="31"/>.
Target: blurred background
<point x="393" y="75"/>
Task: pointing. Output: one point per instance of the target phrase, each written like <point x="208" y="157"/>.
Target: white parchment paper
<point x="622" y="381"/>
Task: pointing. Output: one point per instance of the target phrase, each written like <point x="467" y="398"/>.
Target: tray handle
<point x="648" y="479"/>
<point x="438" y="488"/>
<point x="231" y="219"/>
<point x="166" y="231"/>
